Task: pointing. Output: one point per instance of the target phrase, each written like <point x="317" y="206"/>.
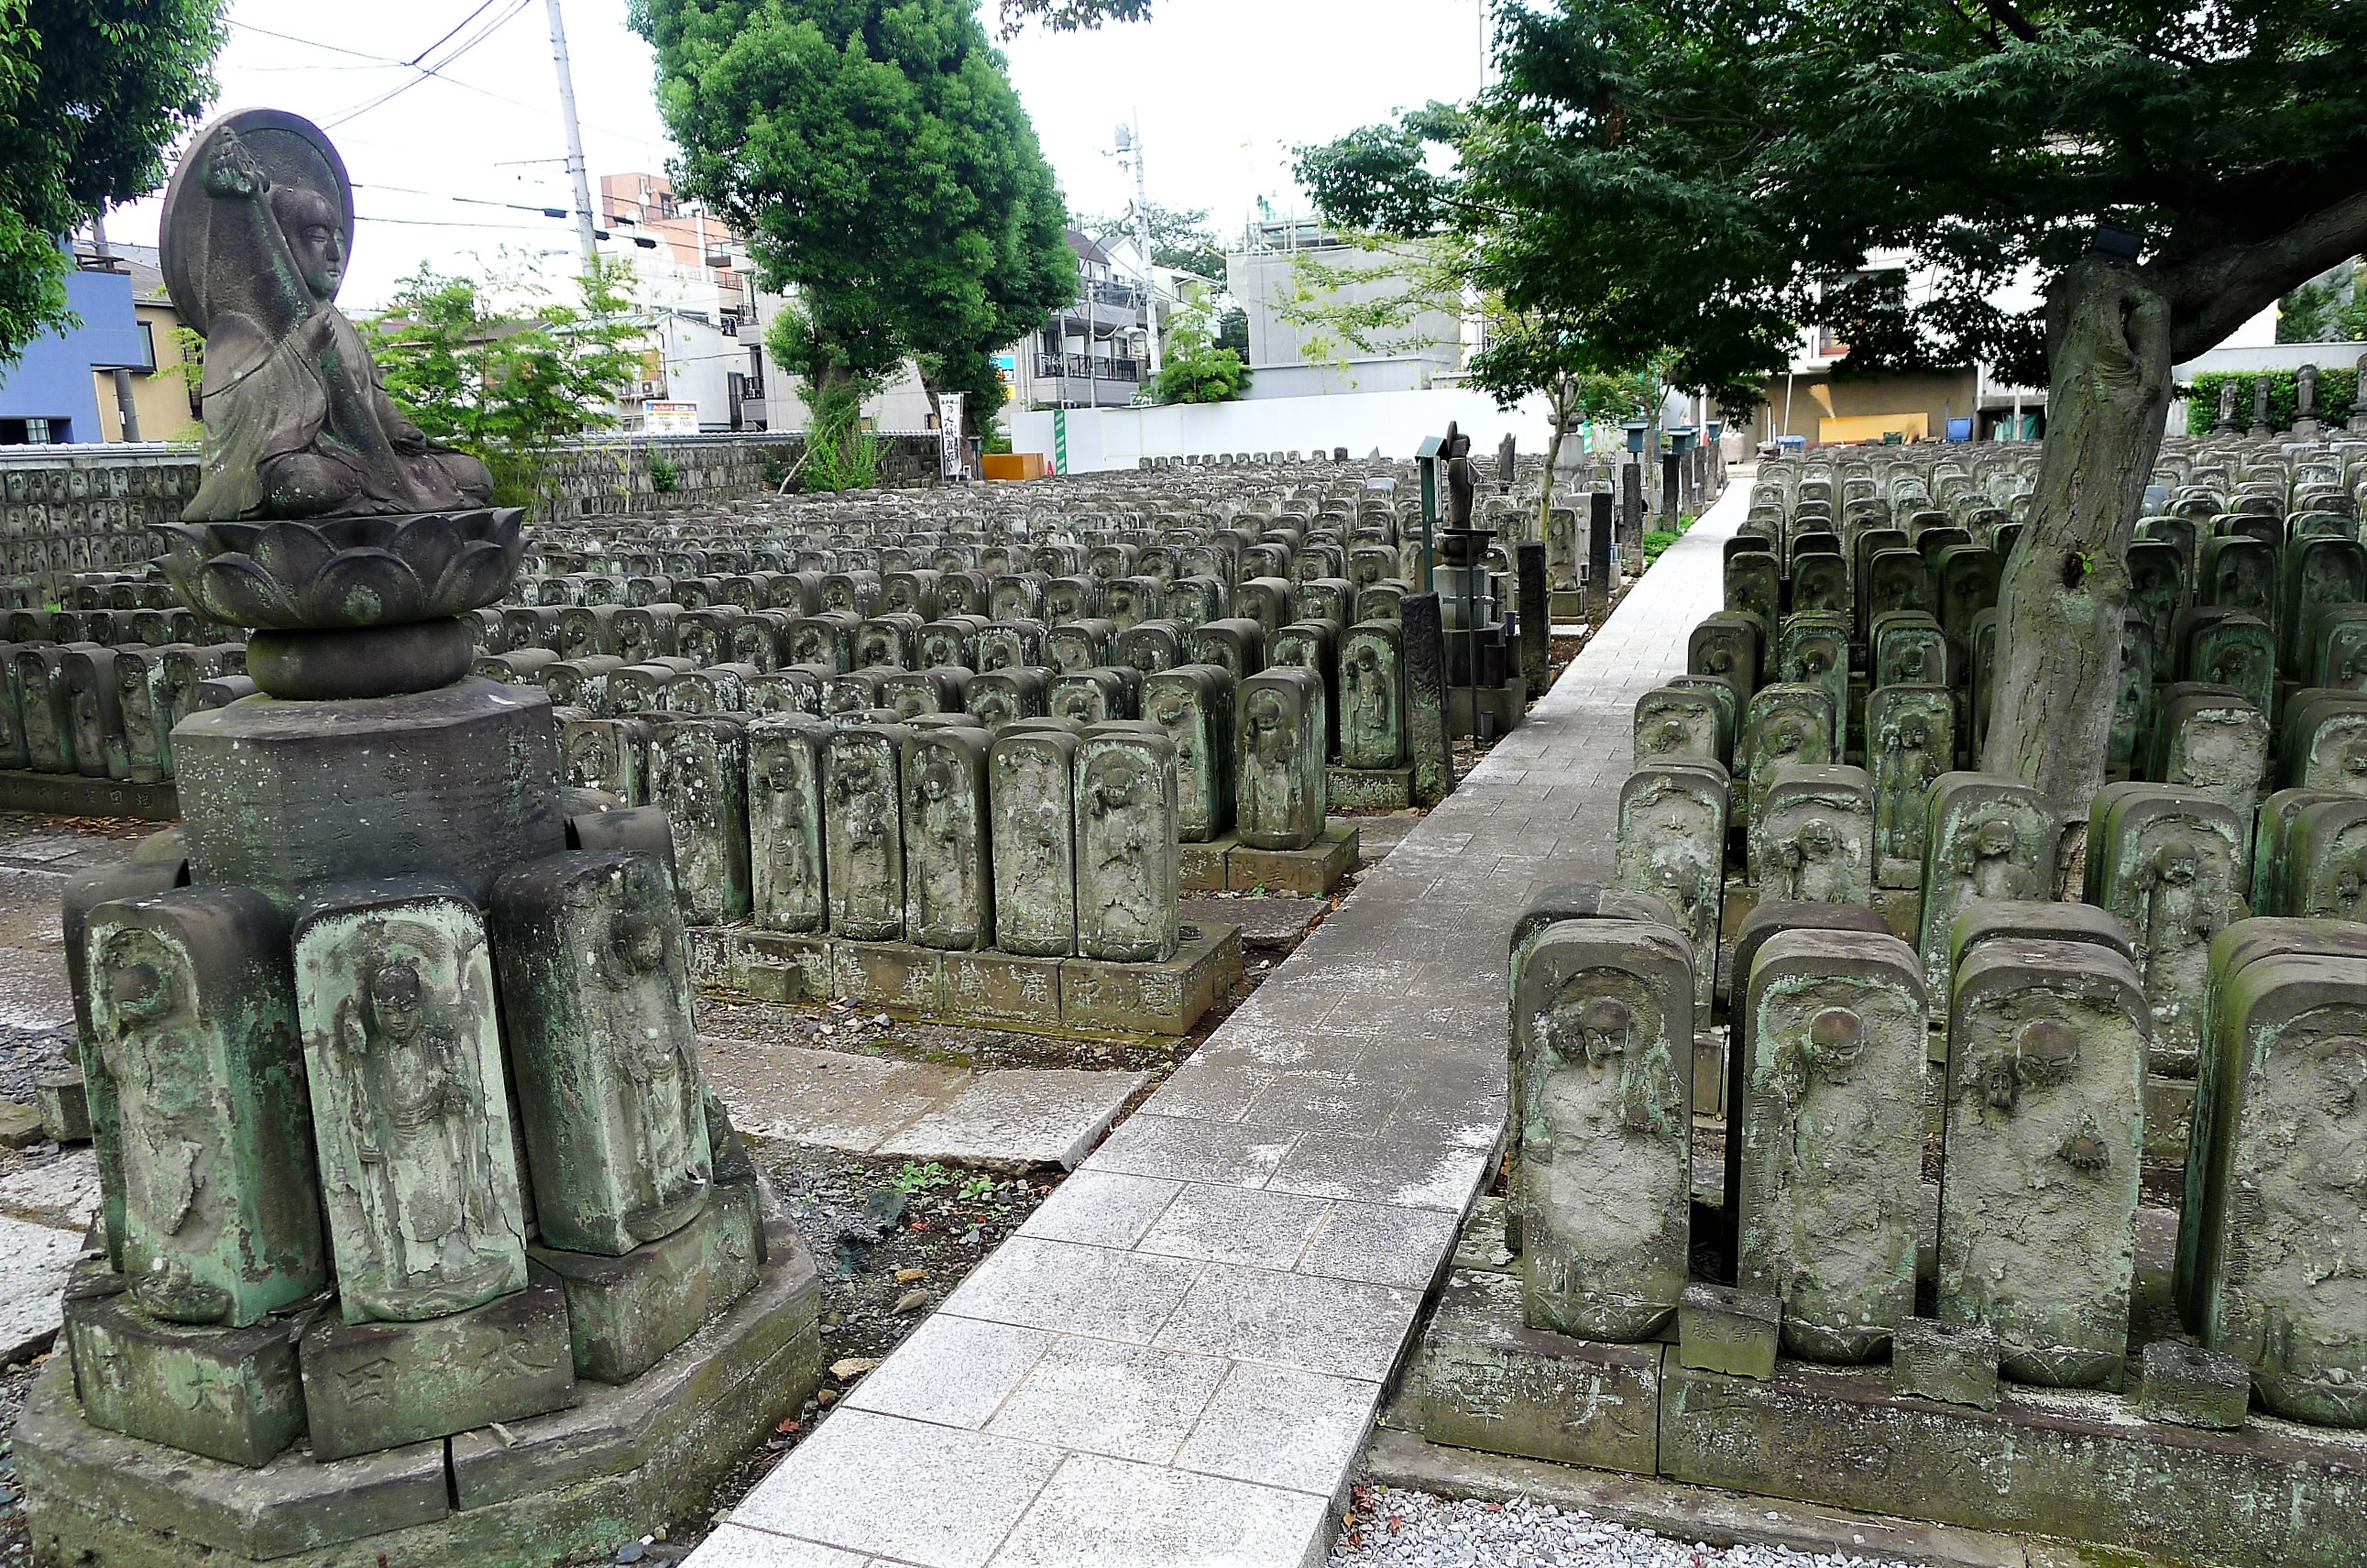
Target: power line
<point x="482" y="7"/>
<point x="546" y="112"/>
<point x="426" y="71"/>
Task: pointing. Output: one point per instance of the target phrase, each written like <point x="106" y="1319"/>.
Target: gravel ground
<point x="26" y="1054"/>
<point x="1392" y="1529"/>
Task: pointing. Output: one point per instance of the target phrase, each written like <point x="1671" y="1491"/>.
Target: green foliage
<point x="979" y="1189"/>
<point x="916" y="1177"/>
<point x="1195" y="369"/>
<point x="840" y="453"/>
<point x="777" y="472"/>
<point x="1233" y="332"/>
<point x="1069" y="15"/>
<point x="1180" y="237"/>
<point x="2307" y="314"/>
<point x="501" y="370"/>
<point x="2334" y="387"/>
<point x="1651" y="172"/>
<point x="880" y="164"/>
<point x="1656" y="541"/>
<point x="91" y="91"/>
<point x="665" y="474"/>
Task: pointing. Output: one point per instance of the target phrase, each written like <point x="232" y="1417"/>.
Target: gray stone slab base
<point x="985" y="989"/>
<point x="2074" y="1466"/>
<point x="1311" y="873"/>
<point x="566" y="1487"/>
<point x="1691" y="1514"/>
<point x="72" y="795"/>
<point x="1203" y="865"/>
<point x="1372" y="789"/>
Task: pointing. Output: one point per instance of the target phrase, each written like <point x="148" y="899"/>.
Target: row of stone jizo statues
<point x="108" y="713"/>
<point x="1038" y="835"/>
<point x="2044" y="1028"/>
<point x="375" y="1165"/>
<point x="2174" y="865"/>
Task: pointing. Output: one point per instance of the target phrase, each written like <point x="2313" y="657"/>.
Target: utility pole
<point x="1129" y="145"/>
<point x="574" y="142"/>
<point x="126" y="405"/>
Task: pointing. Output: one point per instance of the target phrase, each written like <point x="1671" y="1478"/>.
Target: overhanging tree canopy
<point x="91" y="91"/>
<point x="877" y="158"/>
<point x="1693" y="173"/>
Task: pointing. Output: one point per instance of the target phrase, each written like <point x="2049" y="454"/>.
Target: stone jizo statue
<point x="258" y="222"/>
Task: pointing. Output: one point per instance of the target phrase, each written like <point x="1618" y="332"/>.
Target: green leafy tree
<point x="91" y="91"/>
<point x="501" y="370"/>
<point x="880" y="164"/>
<point x="1180" y="237"/>
<point x="1233" y="332"/>
<point x="1197" y="370"/>
<point x="1657" y="172"/>
<point x="2307" y="314"/>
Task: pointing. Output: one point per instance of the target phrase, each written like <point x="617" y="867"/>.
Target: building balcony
<point x="1084" y="366"/>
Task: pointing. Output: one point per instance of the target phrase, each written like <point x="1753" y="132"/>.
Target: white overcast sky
<point x="1223" y="89"/>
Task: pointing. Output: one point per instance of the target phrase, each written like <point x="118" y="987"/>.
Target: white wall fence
<point x="1395" y="422"/>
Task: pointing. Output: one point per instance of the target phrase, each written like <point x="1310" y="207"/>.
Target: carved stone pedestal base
<point x="1311" y="873"/>
<point x="378" y="1385"/>
<point x="628" y="1313"/>
<point x="991" y="990"/>
<point x="461" y="782"/>
<point x="229" y="1393"/>
<point x="567" y="1487"/>
<point x="1372" y="789"/>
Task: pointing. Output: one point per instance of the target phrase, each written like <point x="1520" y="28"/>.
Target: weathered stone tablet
<point x="2045" y="1127"/>
<point x="1832" y="1149"/>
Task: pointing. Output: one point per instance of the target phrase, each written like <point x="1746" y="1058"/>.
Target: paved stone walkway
<point x="1176" y="1359"/>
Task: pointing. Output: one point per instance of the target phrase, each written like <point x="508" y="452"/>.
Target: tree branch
<point x="2218" y="290"/>
<point x="2013" y="21"/>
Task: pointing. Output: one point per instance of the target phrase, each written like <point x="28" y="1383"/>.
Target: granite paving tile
<point x="1086" y="1289"/>
<point x="928" y="1495"/>
<point x="1232" y="1224"/>
<point x="1129" y="1402"/>
<point x="1099" y="1513"/>
<point x="1317" y="1324"/>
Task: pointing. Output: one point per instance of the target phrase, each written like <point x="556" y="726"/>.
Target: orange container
<point x="1012" y="465"/>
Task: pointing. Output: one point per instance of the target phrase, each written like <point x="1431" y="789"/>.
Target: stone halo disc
<point x="293" y="152"/>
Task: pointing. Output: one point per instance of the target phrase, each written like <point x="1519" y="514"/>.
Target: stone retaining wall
<point x="67" y="509"/>
<point x="87" y="508"/>
<point x="611" y="477"/>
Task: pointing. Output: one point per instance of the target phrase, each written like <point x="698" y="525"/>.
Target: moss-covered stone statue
<point x="258" y="222"/>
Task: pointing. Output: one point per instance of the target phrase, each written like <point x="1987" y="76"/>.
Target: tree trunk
<point x="2061" y="603"/>
<point x="1562" y="398"/>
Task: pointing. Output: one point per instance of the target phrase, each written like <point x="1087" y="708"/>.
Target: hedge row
<point x="2334" y="387"/>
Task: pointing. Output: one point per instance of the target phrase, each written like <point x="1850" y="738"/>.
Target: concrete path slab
<point x="33" y="990"/>
<point x="34" y="1263"/>
<point x="1279" y="1210"/>
<point x="832" y="1099"/>
<point x="1012" y="1118"/>
<point x="60" y="1192"/>
<point x="1265" y="923"/>
<point x="1020" y="1118"/>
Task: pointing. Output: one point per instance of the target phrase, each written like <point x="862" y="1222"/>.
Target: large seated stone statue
<point x="259" y="221"/>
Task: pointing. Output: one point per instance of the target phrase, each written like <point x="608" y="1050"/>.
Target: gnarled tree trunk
<point x="2061" y="603"/>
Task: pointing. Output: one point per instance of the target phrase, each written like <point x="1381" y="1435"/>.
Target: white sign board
<point x="660" y="418"/>
<point x="949" y="433"/>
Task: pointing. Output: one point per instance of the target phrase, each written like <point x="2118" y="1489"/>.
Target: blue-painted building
<point x="50" y="394"/>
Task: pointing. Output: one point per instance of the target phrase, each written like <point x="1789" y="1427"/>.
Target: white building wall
<point x="1394" y="422"/>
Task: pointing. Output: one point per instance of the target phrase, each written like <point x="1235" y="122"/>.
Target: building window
<point x="34" y="432"/>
